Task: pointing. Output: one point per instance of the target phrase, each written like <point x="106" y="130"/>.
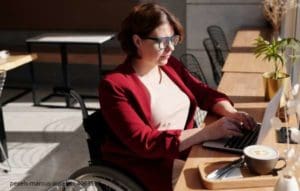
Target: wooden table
<point x="243" y="87"/>
<point x="14" y="61"/>
<point x="10" y="63"/>
<point x="245" y="38"/>
<point x="242" y="82"/>
<point x="246" y="62"/>
<point x="189" y="179"/>
<point x="241" y="57"/>
<point x="64" y="39"/>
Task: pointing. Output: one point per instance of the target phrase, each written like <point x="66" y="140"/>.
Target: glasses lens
<point x="164" y="42"/>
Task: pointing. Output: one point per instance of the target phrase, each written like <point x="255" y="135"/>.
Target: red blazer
<point x="133" y="142"/>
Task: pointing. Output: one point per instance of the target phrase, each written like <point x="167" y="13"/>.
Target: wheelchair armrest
<point x="76" y="96"/>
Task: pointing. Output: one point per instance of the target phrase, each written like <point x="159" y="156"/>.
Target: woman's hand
<point x="244" y="119"/>
<point x="224" y="127"/>
<point x="224" y="108"/>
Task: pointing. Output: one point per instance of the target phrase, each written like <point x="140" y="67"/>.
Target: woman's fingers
<point x="225" y="127"/>
<point x="246" y="121"/>
<point x="232" y="127"/>
<point x="233" y="133"/>
<point x="250" y="122"/>
<point x="234" y="124"/>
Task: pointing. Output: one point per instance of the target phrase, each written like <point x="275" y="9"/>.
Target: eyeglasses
<point x="163" y="42"/>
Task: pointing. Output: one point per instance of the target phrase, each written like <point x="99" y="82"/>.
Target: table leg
<point x="99" y="60"/>
<point x="33" y="81"/>
<point x="65" y="73"/>
<point x="3" y="154"/>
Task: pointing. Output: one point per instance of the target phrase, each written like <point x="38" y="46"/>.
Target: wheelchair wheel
<point x="104" y="178"/>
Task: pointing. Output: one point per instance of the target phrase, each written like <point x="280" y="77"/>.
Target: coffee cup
<point x="4" y="54"/>
<point x="262" y="159"/>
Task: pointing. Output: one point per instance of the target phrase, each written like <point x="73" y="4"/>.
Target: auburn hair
<point x="142" y="20"/>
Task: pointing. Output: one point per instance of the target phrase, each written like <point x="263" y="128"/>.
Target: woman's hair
<point x="142" y="20"/>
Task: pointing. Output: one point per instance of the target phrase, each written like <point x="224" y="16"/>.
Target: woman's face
<point x="151" y="49"/>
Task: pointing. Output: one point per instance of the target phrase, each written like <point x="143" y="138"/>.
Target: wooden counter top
<point x="14" y="61"/>
<point x="246" y="62"/>
<point x="243" y="87"/>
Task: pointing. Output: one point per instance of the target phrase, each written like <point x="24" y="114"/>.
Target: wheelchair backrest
<point x="96" y="128"/>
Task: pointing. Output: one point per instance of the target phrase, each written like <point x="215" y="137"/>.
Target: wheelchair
<point x="99" y="175"/>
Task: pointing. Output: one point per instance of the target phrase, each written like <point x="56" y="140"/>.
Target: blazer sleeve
<point x="206" y="97"/>
<point x="119" y="111"/>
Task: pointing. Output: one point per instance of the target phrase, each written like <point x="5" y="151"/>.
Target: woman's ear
<point x="137" y="40"/>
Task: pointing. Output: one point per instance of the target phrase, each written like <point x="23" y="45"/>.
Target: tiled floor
<point x="45" y="145"/>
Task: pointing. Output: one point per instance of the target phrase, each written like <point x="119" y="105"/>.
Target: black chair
<point x="213" y="59"/>
<point x="193" y="66"/>
<point x="99" y="175"/>
<point x="218" y="37"/>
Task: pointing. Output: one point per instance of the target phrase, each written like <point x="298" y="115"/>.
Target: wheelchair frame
<point x="99" y="174"/>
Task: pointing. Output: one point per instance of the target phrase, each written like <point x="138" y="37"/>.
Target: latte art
<point x="262" y="159"/>
<point x="261" y="152"/>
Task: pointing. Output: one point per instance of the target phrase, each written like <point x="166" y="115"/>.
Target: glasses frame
<point x="160" y="40"/>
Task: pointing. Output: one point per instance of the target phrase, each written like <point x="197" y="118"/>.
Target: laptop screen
<point x="270" y="112"/>
<point x="257" y="137"/>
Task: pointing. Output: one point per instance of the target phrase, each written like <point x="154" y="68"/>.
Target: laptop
<point x="250" y="137"/>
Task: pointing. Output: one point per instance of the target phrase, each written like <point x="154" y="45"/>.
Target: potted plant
<point x="278" y="52"/>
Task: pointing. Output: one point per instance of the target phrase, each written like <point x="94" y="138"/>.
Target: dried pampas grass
<point x="274" y="11"/>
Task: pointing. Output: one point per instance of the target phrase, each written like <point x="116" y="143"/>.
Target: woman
<point x="149" y="102"/>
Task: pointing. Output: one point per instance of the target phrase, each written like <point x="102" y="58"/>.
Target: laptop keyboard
<point x="249" y="138"/>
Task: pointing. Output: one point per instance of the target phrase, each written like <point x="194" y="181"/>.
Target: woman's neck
<point x="142" y="67"/>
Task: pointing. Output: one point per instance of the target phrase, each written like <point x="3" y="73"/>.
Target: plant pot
<point x="272" y="85"/>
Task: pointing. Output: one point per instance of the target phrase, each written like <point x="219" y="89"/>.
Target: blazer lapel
<point x="141" y="94"/>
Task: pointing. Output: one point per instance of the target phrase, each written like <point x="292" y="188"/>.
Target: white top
<point x="169" y="105"/>
<point x="72" y="38"/>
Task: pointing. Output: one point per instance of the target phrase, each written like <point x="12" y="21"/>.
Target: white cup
<point x="262" y="159"/>
<point x="286" y="183"/>
<point x="4" y="54"/>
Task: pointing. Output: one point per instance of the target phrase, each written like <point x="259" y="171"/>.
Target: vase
<point x="272" y="85"/>
<point x="286" y="183"/>
<point x="275" y="33"/>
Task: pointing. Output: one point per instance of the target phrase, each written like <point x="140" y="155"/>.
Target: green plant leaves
<point x="275" y="51"/>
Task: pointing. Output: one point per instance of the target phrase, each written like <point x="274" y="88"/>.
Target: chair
<point x="193" y="66"/>
<point x="213" y="59"/>
<point x="99" y="175"/>
<point x="218" y="37"/>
